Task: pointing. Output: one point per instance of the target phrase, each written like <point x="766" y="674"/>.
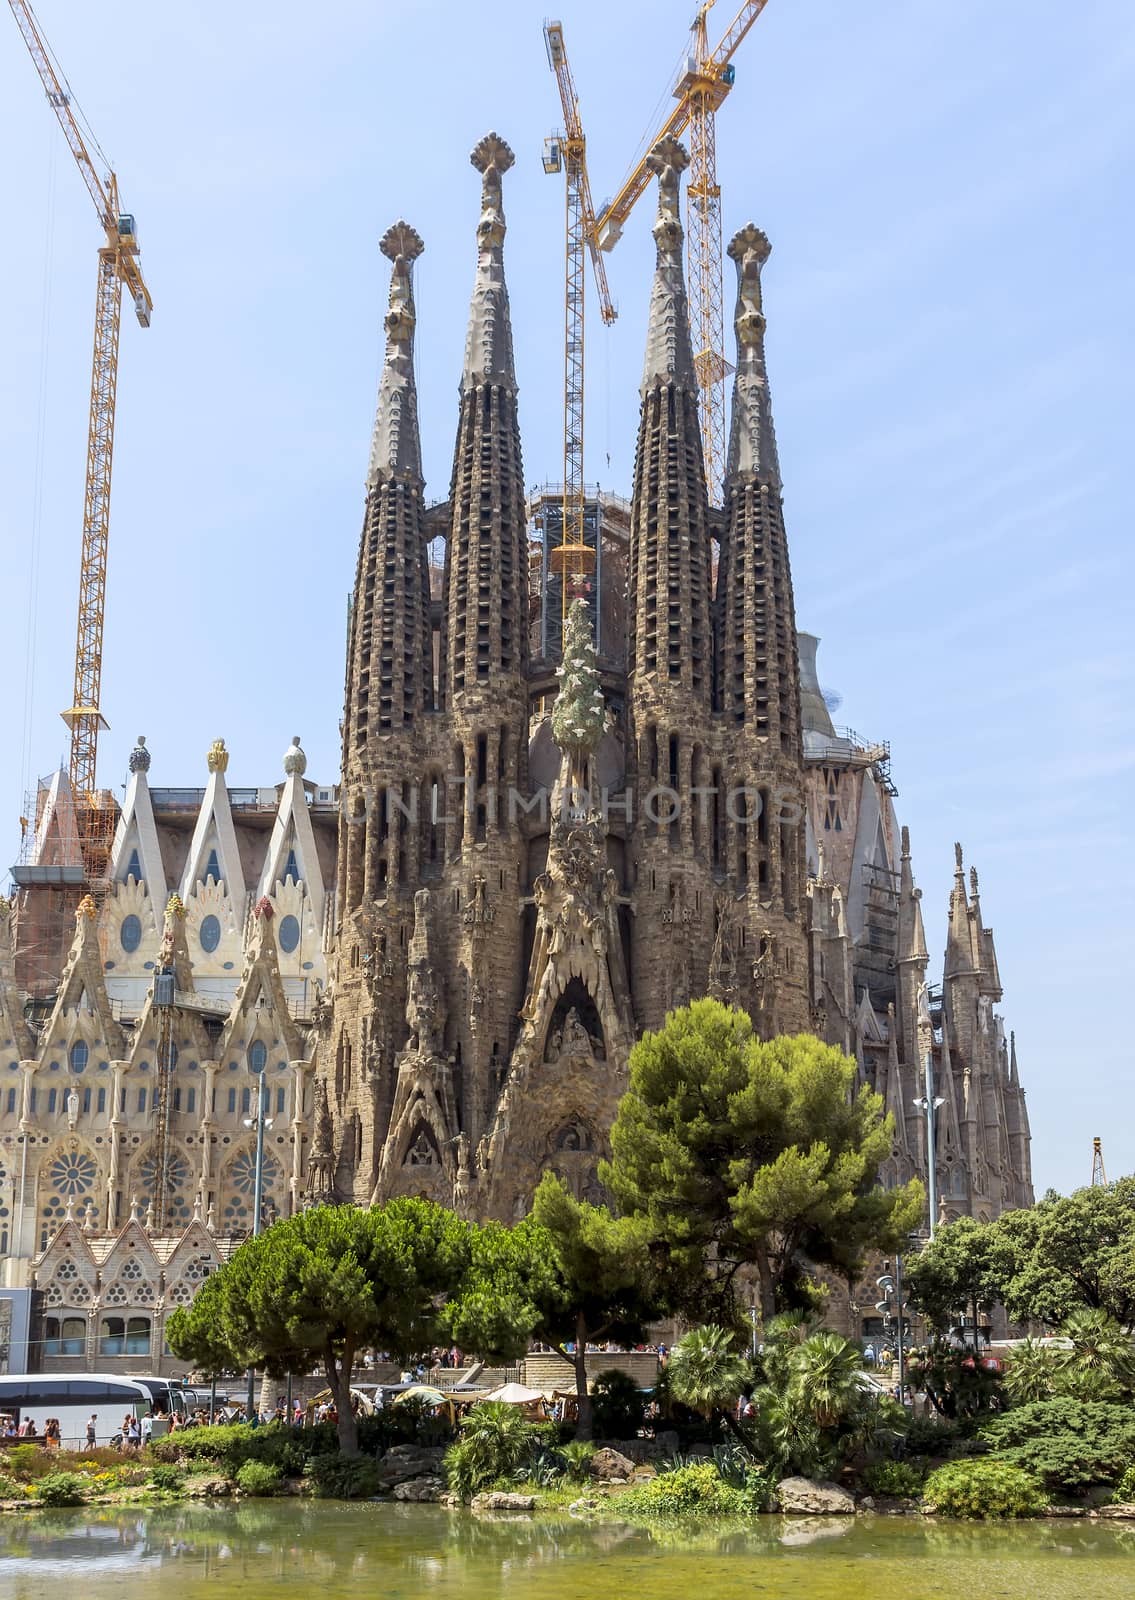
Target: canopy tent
<point x="428" y="1396"/>
<point x="515" y="1394"/>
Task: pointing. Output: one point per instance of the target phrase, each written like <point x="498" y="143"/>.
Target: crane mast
<point x="1099" y="1174"/>
<point x="118" y="266"/>
<point x="574" y="560"/>
<point x="706" y="80"/>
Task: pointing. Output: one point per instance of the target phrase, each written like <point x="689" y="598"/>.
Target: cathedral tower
<point x="758" y="681"/>
<point x="485" y="674"/>
<point x="670" y="642"/>
<point x="388" y="728"/>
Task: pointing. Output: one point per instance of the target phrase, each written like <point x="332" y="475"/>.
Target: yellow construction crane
<point x="706" y="79"/>
<point x="566" y="152"/>
<point x="118" y="267"/>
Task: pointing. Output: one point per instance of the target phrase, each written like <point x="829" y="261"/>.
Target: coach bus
<point x="74" y="1397"/>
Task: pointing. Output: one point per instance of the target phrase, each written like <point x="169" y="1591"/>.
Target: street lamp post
<point x="260" y="1122"/>
<point x="929" y="1103"/>
<point x="893" y="1302"/>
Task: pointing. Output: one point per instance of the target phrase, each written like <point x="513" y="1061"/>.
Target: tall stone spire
<point x="488" y="343"/>
<point x="752" y="440"/>
<point x="759" y="673"/>
<point x="390" y="653"/>
<point x="669" y="353"/>
<point x="396" y="449"/>
<point x="670" y="645"/>
<point x="486" y="574"/>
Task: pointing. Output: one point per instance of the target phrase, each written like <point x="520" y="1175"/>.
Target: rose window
<point x="177" y="1175"/>
<point x="73" y="1173"/>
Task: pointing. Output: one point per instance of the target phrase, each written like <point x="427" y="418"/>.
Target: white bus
<point x="74" y="1397"/>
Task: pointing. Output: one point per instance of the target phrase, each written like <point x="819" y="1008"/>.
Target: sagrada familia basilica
<point x="545" y="835"/>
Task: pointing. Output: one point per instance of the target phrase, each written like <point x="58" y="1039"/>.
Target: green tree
<point x="744" y="1154"/>
<point x="323" y="1285"/>
<point x="510" y="1275"/>
<point x="603" y="1284"/>
<point x="960" y="1272"/>
<point x="1070" y="1251"/>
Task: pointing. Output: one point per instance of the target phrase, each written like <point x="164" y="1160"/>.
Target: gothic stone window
<point x="178" y="1184"/>
<point x="70" y="1175"/>
<point x="65" y="1335"/>
<point x="190" y="1278"/>
<point x="124" y="1336"/>
<point x="237" y="1215"/>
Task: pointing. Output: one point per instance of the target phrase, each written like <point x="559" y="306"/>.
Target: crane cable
<point x="31" y="621"/>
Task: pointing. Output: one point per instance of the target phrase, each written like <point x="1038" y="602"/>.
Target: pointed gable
<point x="57" y="827"/>
<point x="136" y="851"/>
<point x="260" y="1008"/>
<point x="83" y="989"/>
<point x="213" y="852"/>
<point x="292" y="852"/>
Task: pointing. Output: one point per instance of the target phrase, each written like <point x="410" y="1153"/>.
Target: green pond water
<point x="285" y="1549"/>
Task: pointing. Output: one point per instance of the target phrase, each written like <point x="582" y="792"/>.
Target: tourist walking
<point x="92" y="1421"/>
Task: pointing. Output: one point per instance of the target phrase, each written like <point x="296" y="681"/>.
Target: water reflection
<point x="287" y="1547"/>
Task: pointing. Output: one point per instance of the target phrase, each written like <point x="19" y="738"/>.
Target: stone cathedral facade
<point x="436" y="966"/>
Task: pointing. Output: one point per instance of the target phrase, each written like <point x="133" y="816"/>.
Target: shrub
<point x="336" y="1477"/>
<point x="618" y="1406"/>
<point x="1125" y="1489"/>
<point x="1070" y="1444"/>
<point x="235" y="1443"/>
<point x="986" y="1490"/>
<point x="687" y="1491"/>
<point x="930" y="1436"/>
<point x="577" y="1459"/>
<point x="165" y="1476"/>
<point x="11" y="1488"/>
<point x="258" y="1477"/>
<point x="29" y="1461"/>
<point x="495" y="1442"/>
<point x="899" y="1478"/>
<point x="61" y="1489"/>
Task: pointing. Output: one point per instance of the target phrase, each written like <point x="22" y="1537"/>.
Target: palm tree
<point x="827" y="1375"/>
<point x="1033" y="1372"/>
<point x="705" y="1373"/>
<point x="1101" y="1363"/>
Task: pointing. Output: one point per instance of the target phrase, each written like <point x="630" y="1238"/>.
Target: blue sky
<point x="948" y="191"/>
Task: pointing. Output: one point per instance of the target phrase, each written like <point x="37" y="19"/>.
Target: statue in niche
<point x="421" y="1153"/>
<point x="72" y="1109"/>
<point x="475" y="908"/>
<point x="476" y="999"/>
<point x="462" y="1180"/>
<point x="576" y="1040"/>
